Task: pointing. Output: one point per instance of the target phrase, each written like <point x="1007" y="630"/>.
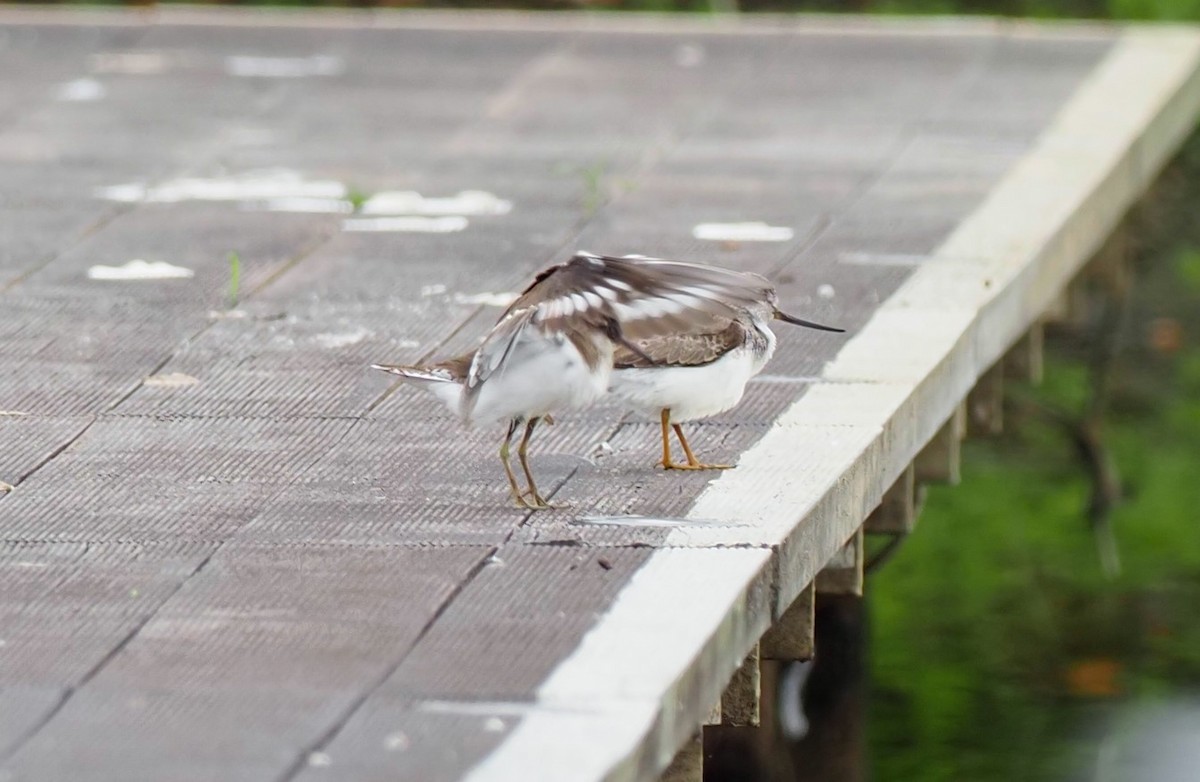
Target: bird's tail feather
<point x="426" y="374"/>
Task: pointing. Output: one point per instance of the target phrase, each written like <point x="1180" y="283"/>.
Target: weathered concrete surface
<point x="233" y="552"/>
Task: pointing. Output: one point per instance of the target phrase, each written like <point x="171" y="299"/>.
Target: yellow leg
<point x="666" y="463"/>
<point x="517" y="495"/>
<point x="539" y="502"/>
<point x="692" y="462"/>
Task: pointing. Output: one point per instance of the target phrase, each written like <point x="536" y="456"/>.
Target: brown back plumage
<point x="690" y="349"/>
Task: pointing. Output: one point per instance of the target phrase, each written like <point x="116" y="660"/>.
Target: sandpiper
<point x="701" y="368"/>
<point x="553" y="348"/>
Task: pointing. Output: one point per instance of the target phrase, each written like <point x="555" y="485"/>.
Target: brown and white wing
<point x="643" y="296"/>
<point x="682" y="350"/>
<point x="499" y="347"/>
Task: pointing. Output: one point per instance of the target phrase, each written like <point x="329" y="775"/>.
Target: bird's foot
<point x="536" y="501"/>
<point x="695" y="466"/>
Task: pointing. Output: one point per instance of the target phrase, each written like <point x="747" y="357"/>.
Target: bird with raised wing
<point x="553" y="348"/>
<point x="701" y="367"/>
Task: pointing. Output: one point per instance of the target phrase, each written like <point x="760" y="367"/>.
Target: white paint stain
<point x="410" y="224"/>
<point x="493" y="725"/>
<point x="437" y="289"/>
<point x="396" y="742"/>
<point x="410" y="202"/>
<point x="228" y="314"/>
<point x="689" y="55"/>
<point x="261" y="185"/>
<point x="487" y="299"/>
<point x="82" y="90"/>
<point x="251" y="66"/>
<point x="138" y="269"/>
<point x="826" y="291"/>
<point x="11" y="413"/>
<point x="882" y="259"/>
<point x="742" y="232"/>
<point x="478" y="708"/>
<point x="170" y="380"/>
<point x="303" y="205"/>
<point x="319" y="759"/>
<point x="343" y="339"/>
<point x="131" y="63"/>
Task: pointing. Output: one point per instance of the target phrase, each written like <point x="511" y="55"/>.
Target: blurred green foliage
<point x="999" y="648"/>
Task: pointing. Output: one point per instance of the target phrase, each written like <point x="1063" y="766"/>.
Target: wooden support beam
<point x="939" y="461"/>
<point x="985" y="403"/>
<point x="791" y="637"/>
<point x="1024" y="359"/>
<point x="843" y="575"/>
<point x="1111" y="268"/>
<point x="688" y="765"/>
<point x="740" y="701"/>
<point x="897" y="513"/>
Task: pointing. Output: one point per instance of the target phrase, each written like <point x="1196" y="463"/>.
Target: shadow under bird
<point x="553" y="348"/>
<point x="700" y="368"/>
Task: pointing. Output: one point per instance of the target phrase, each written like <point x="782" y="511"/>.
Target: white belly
<point x="543" y="378"/>
<point x="690" y="392"/>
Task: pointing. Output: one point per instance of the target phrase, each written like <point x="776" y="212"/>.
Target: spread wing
<point x="499" y="346"/>
<point x="644" y="296"/>
<point x="629" y="300"/>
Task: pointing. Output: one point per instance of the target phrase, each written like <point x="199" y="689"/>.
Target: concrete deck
<point x="232" y="552"/>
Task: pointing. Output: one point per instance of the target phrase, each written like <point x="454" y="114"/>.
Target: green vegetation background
<point x="1000" y="649"/>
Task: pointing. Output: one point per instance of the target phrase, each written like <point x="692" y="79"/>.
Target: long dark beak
<point x="808" y="324"/>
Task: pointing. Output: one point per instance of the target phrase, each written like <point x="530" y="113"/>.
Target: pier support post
<point x="897" y="512"/>
<point x="791" y="637"/>
<point x="985" y="403"/>
<point x="844" y="573"/>
<point x="938" y="462"/>
<point x="688" y="765"/>
<point x="1024" y="359"/>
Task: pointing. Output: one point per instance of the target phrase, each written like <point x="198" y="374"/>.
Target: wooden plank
<point x="262" y="654"/>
